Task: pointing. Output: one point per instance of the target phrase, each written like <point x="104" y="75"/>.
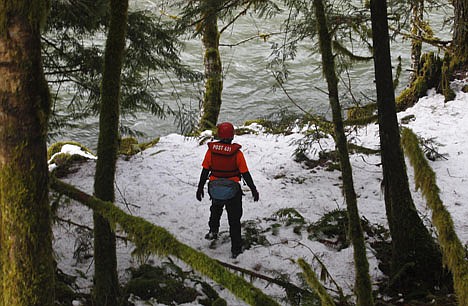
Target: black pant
<point x="234" y="211"/>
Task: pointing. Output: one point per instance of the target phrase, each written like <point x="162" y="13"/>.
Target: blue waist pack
<point x="223" y="189"/>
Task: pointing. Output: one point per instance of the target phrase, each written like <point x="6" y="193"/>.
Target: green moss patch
<point x="66" y="163"/>
<point x="129" y="146"/>
<point x="57" y="147"/>
<point x="359" y="112"/>
<point x="428" y="77"/>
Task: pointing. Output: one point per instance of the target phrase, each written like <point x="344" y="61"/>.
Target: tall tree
<point x="459" y="46"/>
<point x="363" y="287"/>
<point x="416" y="259"/>
<point x="106" y="286"/>
<point x="417" y="15"/>
<point x="213" y="67"/>
<point x="460" y="33"/>
<point x="26" y="263"/>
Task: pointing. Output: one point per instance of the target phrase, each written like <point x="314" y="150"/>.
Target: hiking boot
<point x="211" y="236"/>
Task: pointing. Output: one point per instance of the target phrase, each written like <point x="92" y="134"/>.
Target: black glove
<point x="255" y="195"/>
<point x="201" y="184"/>
<point x="200" y="194"/>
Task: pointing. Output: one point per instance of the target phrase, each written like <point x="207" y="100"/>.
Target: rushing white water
<point x="248" y="83"/>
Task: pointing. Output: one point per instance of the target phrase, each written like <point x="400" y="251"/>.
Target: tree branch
<point x="281" y="283"/>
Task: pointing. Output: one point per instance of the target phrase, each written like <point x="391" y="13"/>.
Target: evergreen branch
<point x="279" y="282"/>
<point x="343" y="50"/>
<point x="61" y="81"/>
<point x="87" y="228"/>
<point x="235" y="18"/>
<point x="50" y="43"/>
<point x="263" y="36"/>
<point x="436" y="42"/>
<point x="63" y="70"/>
<point x="228" y="5"/>
<point x="348" y="85"/>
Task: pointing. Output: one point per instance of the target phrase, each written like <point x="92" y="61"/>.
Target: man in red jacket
<point x="224" y="164"/>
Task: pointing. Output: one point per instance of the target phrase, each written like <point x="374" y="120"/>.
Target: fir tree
<point x="26" y="262"/>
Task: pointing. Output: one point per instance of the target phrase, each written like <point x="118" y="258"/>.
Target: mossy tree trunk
<point x="416" y="260"/>
<point x="213" y="67"/>
<point x="417" y="16"/>
<point x="460" y="33"/>
<point x="363" y="286"/>
<point x="26" y="262"/>
<point x="106" y="286"/>
<point x="452" y="248"/>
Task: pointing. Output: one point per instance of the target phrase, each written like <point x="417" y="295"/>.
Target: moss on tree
<point x="106" y="290"/>
<point x="359" y="112"/>
<point x="35" y="11"/>
<point x="363" y="286"/>
<point x="26" y="238"/>
<point x="428" y="77"/>
<point x="26" y="263"/>
<point x="446" y="76"/>
<point x="453" y="252"/>
<point x="213" y="67"/>
<point x="129" y="146"/>
<point x="315" y="284"/>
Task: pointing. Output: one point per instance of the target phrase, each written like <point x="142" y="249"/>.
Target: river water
<point x="248" y="84"/>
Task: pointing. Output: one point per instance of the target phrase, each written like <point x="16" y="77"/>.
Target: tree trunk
<point x="460" y="33"/>
<point x="26" y="262"/>
<point x="213" y="68"/>
<point x="416" y="44"/>
<point x="106" y="286"/>
<point x="363" y="287"/>
<point x="416" y="259"/>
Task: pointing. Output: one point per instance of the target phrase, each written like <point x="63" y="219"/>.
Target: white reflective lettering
<point x="222" y="148"/>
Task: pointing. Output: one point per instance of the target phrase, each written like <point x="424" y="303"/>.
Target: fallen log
<point x="150" y="238"/>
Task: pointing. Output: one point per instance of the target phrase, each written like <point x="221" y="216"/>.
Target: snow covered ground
<point x="159" y="184"/>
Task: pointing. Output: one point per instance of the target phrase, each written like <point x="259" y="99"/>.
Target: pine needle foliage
<point x="73" y="46"/>
<point x="454" y="254"/>
<point x="348" y="24"/>
<point x="331" y="229"/>
<point x="149" y="238"/>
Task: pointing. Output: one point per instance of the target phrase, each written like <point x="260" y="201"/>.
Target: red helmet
<point x="225" y="130"/>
